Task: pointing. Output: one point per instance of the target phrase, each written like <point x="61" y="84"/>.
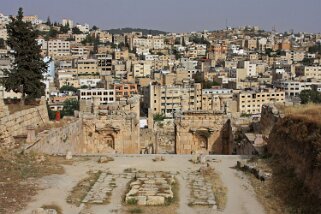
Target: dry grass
<point x="308" y="112"/>
<point x="283" y="193"/>
<point x="17" y="178"/>
<point x="220" y="191"/>
<point x="80" y="191"/>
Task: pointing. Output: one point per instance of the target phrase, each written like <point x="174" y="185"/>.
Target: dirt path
<point x="241" y="198"/>
<point x="184" y="194"/>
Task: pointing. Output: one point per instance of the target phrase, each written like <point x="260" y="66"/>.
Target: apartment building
<point x="121" y="54"/>
<point x="158" y="43"/>
<point x="87" y="67"/>
<point x="68" y="22"/>
<point x="67" y="77"/>
<point x="295" y="56"/>
<point x="104" y="63"/>
<point x="310" y="72"/>
<point x="125" y="90"/>
<point x="83" y="28"/>
<point x="294" y="88"/>
<point x="4" y="20"/>
<point x="213" y="99"/>
<point x="79" y="37"/>
<point x="104" y="37"/>
<point x="90" y="82"/>
<point x="169" y="99"/>
<point x="150" y="42"/>
<point x="117" y="39"/>
<point x="249" y="68"/>
<point x="65" y="64"/>
<point x="3" y="34"/>
<point x="80" y="52"/>
<point x="30" y="18"/>
<point x="141" y="69"/>
<point x="105" y="95"/>
<point x="250" y="102"/>
<point x="55" y="48"/>
<point x="250" y="44"/>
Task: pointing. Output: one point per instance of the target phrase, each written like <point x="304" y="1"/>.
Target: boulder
<point x="240" y="164"/>
<point x="69" y="155"/>
<point x="195" y="159"/>
<point x="202" y="159"/>
<point x="104" y="159"/>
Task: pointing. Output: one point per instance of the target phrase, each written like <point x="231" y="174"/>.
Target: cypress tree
<point x="28" y="67"/>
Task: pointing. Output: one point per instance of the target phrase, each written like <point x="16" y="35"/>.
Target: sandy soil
<point x="55" y="188"/>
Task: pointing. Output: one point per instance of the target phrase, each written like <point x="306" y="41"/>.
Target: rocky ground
<point x="191" y="193"/>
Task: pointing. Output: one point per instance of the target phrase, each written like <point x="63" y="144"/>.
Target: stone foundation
<point x="151" y="188"/>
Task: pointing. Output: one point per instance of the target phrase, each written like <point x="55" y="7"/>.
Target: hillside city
<point x="174" y="72"/>
<point x="144" y="121"/>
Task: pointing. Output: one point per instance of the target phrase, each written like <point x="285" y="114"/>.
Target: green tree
<point x="315" y="49"/>
<point x="75" y="30"/>
<point x="28" y="67"/>
<point x="310" y="96"/>
<point x="67" y="88"/>
<point x="177" y="41"/>
<point x="88" y="40"/>
<point x="70" y="105"/>
<point x="121" y="45"/>
<point x="84" y="86"/>
<point x="159" y="117"/>
<point x="96" y="44"/>
<point x="65" y="28"/>
<point x="198" y="77"/>
<point x="94" y="28"/>
<point x="48" y="21"/>
<point x="307" y="61"/>
<point x="52" y="33"/>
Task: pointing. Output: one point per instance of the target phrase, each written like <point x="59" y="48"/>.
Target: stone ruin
<point x="257" y="172"/>
<point x="201" y="191"/>
<point x="151" y="188"/>
<point x="101" y="190"/>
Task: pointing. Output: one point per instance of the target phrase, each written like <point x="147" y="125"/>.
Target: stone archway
<point x="202" y="136"/>
<point x="110" y="141"/>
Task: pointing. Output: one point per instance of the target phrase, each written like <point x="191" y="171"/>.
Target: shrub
<point x="136" y="210"/>
<point x="132" y="201"/>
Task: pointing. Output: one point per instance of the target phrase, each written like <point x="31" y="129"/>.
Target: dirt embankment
<point x="296" y="140"/>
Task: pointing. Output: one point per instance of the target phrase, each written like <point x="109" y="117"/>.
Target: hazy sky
<point x="177" y="15"/>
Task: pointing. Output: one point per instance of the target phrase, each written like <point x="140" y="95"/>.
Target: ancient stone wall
<point x="203" y="132"/>
<point x="61" y="140"/>
<point x="5" y="137"/>
<point x="160" y="139"/>
<point x="114" y="134"/>
<point x="15" y="124"/>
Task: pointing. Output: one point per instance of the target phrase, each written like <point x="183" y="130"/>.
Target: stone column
<point x="150" y="119"/>
<point x="31" y="134"/>
<point x="96" y="103"/>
